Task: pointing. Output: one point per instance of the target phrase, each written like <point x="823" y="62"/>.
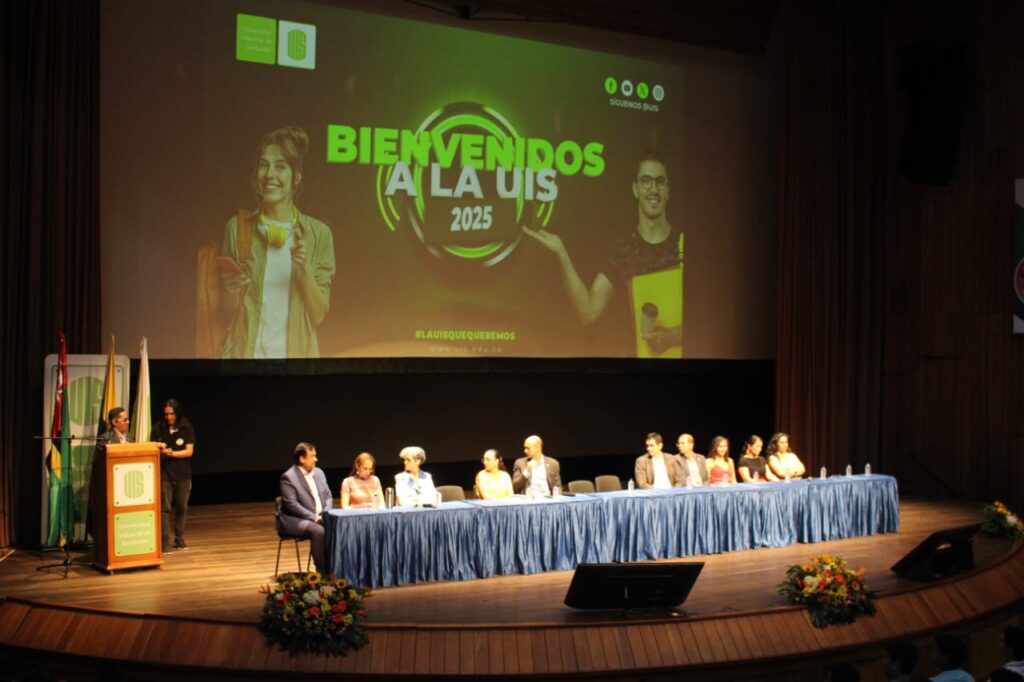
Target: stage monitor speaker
<point x="935" y="79"/>
<point x="631" y="586"/>
<point x="943" y="553"/>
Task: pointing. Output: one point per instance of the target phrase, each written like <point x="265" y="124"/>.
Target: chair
<point x="607" y="483"/>
<point x="451" y="493"/>
<point x="282" y="537"/>
<point x="581" y="486"/>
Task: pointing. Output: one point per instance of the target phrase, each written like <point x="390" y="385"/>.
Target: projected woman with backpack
<point x="276" y="264"/>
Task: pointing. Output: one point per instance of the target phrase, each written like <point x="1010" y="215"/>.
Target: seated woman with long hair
<point x="493" y="482"/>
<point x="362" y="490"/>
<point x="721" y="468"/>
<point x="752" y="467"/>
<point x="782" y="460"/>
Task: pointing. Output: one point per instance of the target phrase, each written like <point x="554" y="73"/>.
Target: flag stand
<point x="68" y="561"/>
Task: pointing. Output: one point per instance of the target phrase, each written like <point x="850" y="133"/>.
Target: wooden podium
<point x="126" y="525"/>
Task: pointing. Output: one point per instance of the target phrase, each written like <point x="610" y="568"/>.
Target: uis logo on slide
<point x="465" y="180"/>
<point x="268" y="41"/>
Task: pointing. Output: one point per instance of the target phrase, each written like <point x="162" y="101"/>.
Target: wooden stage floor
<point x="233" y="549"/>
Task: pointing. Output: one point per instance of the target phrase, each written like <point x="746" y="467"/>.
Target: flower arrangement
<point x="309" y="612"/>
<point x="832" y="592"/>
<point x="1001" y="522"/>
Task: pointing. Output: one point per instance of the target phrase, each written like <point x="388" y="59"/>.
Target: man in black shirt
<point x="653" y="246"/>
<point x="176" y="439"/>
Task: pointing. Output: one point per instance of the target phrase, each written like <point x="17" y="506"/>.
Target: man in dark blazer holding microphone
<point x="536" y="472"/>
<point x="305" y="496"/>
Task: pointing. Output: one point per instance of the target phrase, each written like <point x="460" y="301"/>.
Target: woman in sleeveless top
<point x="493" y="483"/>
<point x="362" y="490"/>
<point x="721" y="468"/>
<point x="752" y="467"/>
<point x="782" y="460"/>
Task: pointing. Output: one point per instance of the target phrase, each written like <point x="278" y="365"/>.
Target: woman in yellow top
<point x="493" y="483"/>
<point x="782" y="460"/>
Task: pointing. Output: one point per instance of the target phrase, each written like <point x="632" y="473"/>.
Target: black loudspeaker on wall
<point x="935" y="78"/>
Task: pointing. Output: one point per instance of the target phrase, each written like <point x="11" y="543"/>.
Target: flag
<point x="142" y="414"/>
<point x="59" y="460"/>
<point x="109" y="392"/>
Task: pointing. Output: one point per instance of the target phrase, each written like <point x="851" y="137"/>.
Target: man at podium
<point x="116" y="433"/>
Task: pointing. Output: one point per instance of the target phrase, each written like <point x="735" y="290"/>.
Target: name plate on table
<point x="134" y="484"/>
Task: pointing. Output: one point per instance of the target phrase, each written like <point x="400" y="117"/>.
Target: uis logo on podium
<point x="134" y="484"/>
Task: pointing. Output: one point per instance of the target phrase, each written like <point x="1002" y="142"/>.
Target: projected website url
<point x="463" y="335"/>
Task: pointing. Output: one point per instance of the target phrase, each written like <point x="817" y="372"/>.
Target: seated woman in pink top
<point x="721" y="468"/>
<point x="362" y="489"/>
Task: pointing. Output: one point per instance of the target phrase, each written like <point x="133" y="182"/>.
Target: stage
<point x="197" y="612"/>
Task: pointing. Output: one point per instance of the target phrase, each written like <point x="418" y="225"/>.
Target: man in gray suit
<point x="695" y="468"/>
<point x="657" y="469"/>
<point x="536" y="474"/>
<point x="305" y="496"/>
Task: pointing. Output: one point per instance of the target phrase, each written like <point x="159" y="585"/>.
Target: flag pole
<point x="60" y="464"/>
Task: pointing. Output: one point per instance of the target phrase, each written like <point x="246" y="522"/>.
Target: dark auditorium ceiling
<point x="737" y="25"/>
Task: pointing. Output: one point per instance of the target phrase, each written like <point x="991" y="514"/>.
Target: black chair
<point x="283" y="537"/>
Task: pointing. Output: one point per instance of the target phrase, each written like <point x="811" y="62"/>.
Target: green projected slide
<point x="283" y="179"/>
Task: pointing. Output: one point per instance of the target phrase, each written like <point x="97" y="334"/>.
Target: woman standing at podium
<point x="175" y="437"/>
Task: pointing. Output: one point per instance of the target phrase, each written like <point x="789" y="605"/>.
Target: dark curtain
<point x="50" y="272"/>
<point x="829" y="71"/>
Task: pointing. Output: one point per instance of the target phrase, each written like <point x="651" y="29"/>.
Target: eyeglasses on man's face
<point x="646" y="181"/>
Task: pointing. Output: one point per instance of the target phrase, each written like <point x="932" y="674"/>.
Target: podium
<point x="126" y="525"/>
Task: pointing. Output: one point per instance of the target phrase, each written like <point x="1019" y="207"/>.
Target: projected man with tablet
<point x="646" y="266"/>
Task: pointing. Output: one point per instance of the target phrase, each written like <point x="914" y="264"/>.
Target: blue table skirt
<point x="479" y="539"/>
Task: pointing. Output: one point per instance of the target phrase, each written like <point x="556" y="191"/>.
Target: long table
<point x="480" y="538"/>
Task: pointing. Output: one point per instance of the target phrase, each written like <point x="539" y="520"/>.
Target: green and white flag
<point x="142" y="419"/>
